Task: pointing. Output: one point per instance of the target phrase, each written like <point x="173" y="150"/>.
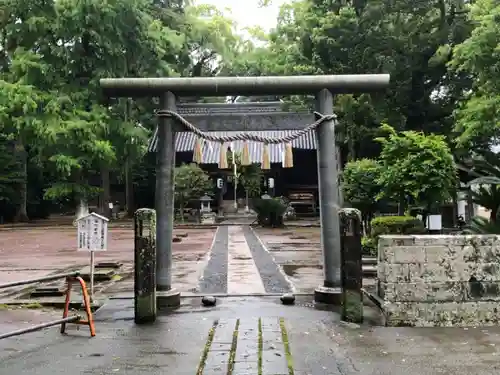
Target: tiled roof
<point x="185" y="143"/>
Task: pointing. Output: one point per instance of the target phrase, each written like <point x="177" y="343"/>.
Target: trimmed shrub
<point x="396" y="225"/>
<point x="369" y="246"/>
<point x="269" y="212"/>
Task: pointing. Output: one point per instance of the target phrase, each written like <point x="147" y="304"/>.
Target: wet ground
<point x="298" y="252"/>
<point x="241" y="335"/>
<point x="250" y="335"/>
<point x="27" y="253"/>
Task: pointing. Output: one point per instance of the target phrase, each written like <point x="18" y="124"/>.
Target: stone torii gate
<point x="322" y="86"/>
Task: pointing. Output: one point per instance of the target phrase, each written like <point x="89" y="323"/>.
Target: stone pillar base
<point x="330" y="296"/>
<point x="168" y="299"/>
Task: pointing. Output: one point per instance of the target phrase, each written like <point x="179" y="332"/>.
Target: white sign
<point x="434" y="222"/>
<point x="92" y="232"/>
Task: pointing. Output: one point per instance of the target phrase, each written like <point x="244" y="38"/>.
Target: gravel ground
<point x="214" y="278"/>
<point x="274" y="281"/>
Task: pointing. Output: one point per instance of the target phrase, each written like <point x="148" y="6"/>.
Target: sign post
<point x="92" y="237"/>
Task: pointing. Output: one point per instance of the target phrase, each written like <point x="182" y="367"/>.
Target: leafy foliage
<point x="52" y="55"/>
<point x="250" y="176"/>
<point x="361" y="187"/>
<point x="269" y="211"/>
<point x="191" y="182"/>
<point x="396" y="225"/>
<point x="417" y="166"/>
<point x="478" y="57"/>
<point x="481" y="225"/>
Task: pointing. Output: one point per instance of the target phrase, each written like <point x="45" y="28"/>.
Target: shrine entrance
<point x="322" y="123"/>
<point x="282" y="179"/>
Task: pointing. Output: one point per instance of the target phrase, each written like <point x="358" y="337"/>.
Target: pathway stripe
<point x="270" y="273"/>
<point x="246" y="346"/>
<point x="214" y="279"/>
<point x="243" y="276"/>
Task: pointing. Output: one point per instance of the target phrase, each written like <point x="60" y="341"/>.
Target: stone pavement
<point x="249" y="335"/>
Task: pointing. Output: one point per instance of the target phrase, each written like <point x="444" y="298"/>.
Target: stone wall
<point x="440" y="280"/>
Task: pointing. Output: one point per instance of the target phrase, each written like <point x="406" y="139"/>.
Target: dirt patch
<point x="298" y="253"/>
<point x="27" y="253"/>
<point x="292" y="269"/>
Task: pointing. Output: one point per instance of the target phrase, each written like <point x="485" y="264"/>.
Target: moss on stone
<point x="352" y="307"/>
<point x="146" y="217"/>
<point x="206" y="349"/>
<point x="145" y="306"/>
<point x="260" y="346"/>
<point x="232" y="353"/>
<point x="288" y="352"/>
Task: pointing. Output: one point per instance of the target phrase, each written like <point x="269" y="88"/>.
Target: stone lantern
<point x="205" y="203"/>
<point x="206" y="214"/>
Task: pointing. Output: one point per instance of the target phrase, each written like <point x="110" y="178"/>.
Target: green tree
<point x="29" y="114"/>
<point x="353" y="37"/>
<point x="191" y="182"/>
<point x="478" y="57"/>
<point x="416" y="166"/>
<point x="360" y="185"/>
<point x="249" y="176"/>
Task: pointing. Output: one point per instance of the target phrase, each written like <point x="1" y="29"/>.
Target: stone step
<point x="47" y="291"/>
<point x="369" y="271"/>
<point x="112" y="265"/>
<point x="100" y="274"/>
<point x="369" y="260"/>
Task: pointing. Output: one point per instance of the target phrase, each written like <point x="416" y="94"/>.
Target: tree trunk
<point x="129" y="189"/>
<point x="106" y="192"/>
<point x="402" y="206"/>
<point x="83" y="208"/>
<point x="22" y="210"/>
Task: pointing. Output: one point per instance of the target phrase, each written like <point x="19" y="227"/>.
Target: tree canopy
<point x="67" y="143"/>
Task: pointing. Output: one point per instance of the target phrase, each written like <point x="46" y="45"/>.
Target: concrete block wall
<point x="440" y="280"/>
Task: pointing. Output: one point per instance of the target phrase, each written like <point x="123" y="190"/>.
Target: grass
<point x="204" y="355"/>
<point x="260" y="348"/>
<point x="232" y="353"/>
<point x="31" y="306"/>
<point x="288" y="353"/>
<point x="34" y="305"/>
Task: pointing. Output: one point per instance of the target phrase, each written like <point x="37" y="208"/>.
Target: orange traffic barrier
<point x="86" y="301"/>
<point x="70" y="278"/>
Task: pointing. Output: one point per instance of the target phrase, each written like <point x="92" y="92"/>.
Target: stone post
<point x="352" y="271"/>
<point x="144" y="266"/>
<point x="330" y="291"/>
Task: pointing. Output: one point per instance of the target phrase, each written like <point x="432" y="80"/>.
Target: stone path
<point x="243" y="275"/>
<point x="240" y="265"/>
<point x="247" y="346"/>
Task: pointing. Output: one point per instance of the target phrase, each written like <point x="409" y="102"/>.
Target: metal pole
<point x="38" y="327"/>
<point x="39" y="280"/>
<point x="328" y="200"/>
<point x="92" y="265"/>
<point x="165" y="165"/>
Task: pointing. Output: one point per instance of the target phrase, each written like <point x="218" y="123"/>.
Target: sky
<point x="247" y="13"/>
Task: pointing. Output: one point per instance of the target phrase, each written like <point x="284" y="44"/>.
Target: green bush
<point x="396" y="225"/>
<point x="269" y="212"/>
<point x="369" y="246"/>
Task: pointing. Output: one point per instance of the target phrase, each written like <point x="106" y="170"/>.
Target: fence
<point x="76" y="319"/>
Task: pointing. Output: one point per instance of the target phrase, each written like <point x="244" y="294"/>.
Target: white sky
<point x="247" y="13"/>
